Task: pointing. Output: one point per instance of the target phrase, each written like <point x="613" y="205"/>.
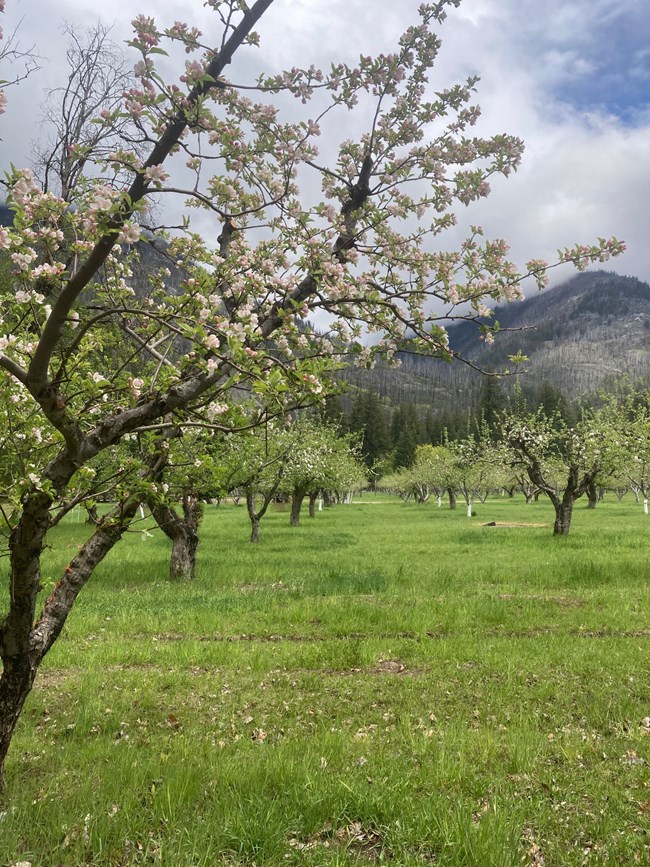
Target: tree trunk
<point x="563" y="513"/>
<point x="15" y="685"/>
<point x="24" y="642"/>
<point x="452" y="498"/>
<point x="592" y="496"/>
<point x="296" y="505"/>
<point x="183" y="532"/>
<point x="255" y="529"/>
<point x="252" y="514"/>
<point x="182" y="564"/>
<point x="92" y="516"/>
<point x="312" y="504"/>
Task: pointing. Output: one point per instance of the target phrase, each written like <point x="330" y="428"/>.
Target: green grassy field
<point x="386" y="683"/>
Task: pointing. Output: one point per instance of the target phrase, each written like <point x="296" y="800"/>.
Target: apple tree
<point x="88" y="361"/>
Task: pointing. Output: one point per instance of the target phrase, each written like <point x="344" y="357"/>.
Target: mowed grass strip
<point x="387" y="683"/>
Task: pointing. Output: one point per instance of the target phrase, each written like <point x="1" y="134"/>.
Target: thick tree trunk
<point x="15" y="685"/>
<point x="296" y="505"/>
<point x="183" y="532"/>
<point x="452" y="498"/>
<point x="563" y="513"/>
<point x="182" y="563"/>
<point x="23" y="642"/>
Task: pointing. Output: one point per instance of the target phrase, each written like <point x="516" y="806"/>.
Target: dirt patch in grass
<point x="258" y="588"/>
<point x="534" y="856"/>
<point x="272" y="638"/>
<point x="53" y="678"/>
<point x="365" y="842"/>
<point x="389" y="666"/>
<point x="384" y="666"/>
<point x="512" y="524"/>
<point x="563" y="601"/>
<point x="316" y="638"/>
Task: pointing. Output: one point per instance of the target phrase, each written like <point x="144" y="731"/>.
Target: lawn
<point x="385" y="683"/>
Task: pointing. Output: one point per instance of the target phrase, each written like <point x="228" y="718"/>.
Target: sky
<point x="570" y="77"/>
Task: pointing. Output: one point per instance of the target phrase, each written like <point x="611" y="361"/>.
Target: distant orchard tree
<point x="562" y="462"/>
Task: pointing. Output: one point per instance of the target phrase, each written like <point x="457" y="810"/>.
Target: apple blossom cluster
<point x="582" y="255"/>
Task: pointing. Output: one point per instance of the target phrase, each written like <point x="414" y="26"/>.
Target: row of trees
<point x="537" y="454"/>
<point x="390" y="435"/>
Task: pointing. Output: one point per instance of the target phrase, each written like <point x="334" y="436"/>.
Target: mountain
<point x="579" y="336"/>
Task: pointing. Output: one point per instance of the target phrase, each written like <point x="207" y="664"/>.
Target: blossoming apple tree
<point x="86" y="361"/>
<point x="563" y="462"/>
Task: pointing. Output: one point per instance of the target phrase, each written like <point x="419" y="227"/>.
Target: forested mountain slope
<point x="579" y="336"/>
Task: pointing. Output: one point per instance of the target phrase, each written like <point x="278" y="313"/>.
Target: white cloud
<point x="583" y="175"/>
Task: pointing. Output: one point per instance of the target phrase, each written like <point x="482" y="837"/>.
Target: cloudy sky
<point x="571" y="77"/>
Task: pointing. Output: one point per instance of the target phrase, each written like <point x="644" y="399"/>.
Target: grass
<point x="386" y="683"/>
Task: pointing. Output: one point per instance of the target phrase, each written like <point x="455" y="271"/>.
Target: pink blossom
<point x="130" y="233"/>
<point x="25" y="187"/>
<point x="48" y="270"/>
<point x="156" y="174"/>
<point x="215" y="409"/>
<point x="134" y="107"/>
<point x="193" y="71"/>
<point x="136" y="386"/>
<point x="22" y="261"/>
